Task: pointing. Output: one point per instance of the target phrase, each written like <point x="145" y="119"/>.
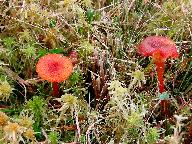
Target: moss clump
<point x="5" y="90"/>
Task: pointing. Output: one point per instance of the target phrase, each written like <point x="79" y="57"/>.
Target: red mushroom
<point x="54" y="68"/>
<point x="159" y="48"/>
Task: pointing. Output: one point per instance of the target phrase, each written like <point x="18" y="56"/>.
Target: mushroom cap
<point x="54" y="67"/>
<point x="165" y="47"/>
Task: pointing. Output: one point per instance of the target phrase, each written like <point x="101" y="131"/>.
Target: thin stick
<point x="77" y="124"/>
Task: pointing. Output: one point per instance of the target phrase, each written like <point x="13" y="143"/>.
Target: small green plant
<point x="9" y="42"/>
<point x="29" y="51"/>
<point x="37" y="107"/>
<point x="54" y="137"/>
<point x="75" y="78"/>
<point x="152" y="135"/>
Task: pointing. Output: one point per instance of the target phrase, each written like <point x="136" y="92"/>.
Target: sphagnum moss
<point x="105" y="34"/>
<point x="29" y="134"/>
<point x="13" y="132"/>
<point x="5" y="90"/>
<point x="3" y="119"/>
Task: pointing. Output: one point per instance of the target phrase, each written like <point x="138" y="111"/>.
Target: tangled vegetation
<point x="112" y="95"/>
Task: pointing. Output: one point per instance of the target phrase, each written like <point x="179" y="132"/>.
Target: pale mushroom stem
<point x="55" y="89"/>
<point x="160" y="67"/>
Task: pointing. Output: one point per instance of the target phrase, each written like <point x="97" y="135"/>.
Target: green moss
<point x="152" y="135"/>
<point x="54" y="137"/>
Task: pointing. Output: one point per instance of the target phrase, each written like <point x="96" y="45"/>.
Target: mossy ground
<point x="112" y="95"/>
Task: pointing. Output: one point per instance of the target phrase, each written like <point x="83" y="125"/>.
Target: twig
<point x="77" y="123"/>
<point x="88" y="133"/>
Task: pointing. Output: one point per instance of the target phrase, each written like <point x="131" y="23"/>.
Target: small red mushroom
<point x="159" y="48"/>
<point x="54" y="68"/>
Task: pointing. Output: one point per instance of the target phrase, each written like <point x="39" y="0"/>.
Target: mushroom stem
<point x="55" y="89"/>
<point x="160" y="67"/>
<point x="160" y="71"/>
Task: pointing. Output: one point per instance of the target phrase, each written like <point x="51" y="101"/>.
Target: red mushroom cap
<point x="54" y="67"/>
<point x="159" y="46"/>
